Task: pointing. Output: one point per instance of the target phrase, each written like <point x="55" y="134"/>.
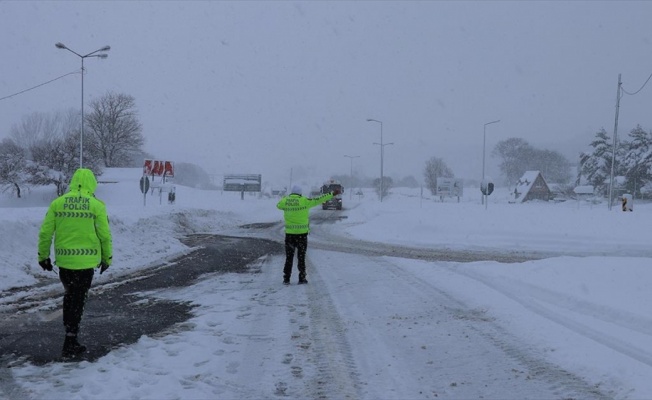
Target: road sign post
<point x="486" y="187"/>
<point x="144" y="187"/>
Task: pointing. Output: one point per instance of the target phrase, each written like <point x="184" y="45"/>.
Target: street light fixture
<point x="484" y="145"/>
<point x="351" y="181"/>
<point x="60" y="45"/>
<point x="382" y="153"/>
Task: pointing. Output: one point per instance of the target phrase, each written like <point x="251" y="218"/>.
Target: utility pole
<point x="613" y="149"/>
<point x="351" y="176"/>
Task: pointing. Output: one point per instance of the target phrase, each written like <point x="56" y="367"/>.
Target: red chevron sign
<point x="158" y="168"/>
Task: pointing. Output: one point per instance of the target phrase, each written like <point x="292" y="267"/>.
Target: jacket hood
<point x="83" y="180"/>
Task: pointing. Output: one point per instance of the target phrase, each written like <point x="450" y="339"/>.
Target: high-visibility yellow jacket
<point x="80" y="226"/>
<point x="296" y="210"/>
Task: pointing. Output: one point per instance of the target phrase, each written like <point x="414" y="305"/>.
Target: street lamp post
<point x="382" y="153"/>
<point x="60" y="45"/>
<point x="351" y="181"/>
<point x="484" y="145"/>
<point x="382" y="175"/>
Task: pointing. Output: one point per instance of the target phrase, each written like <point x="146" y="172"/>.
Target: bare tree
<point x="388" y="183"/>
<point x="114" y="126"/>
<point x="13" y="160"/>
<point x="35" y="127"/>
<point x="436" y="168"/>
<point x="516" y="154"/>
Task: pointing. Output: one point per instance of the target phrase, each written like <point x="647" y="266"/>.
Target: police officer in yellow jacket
<point x="296" y="212"/>
<point x="82" y="241"/>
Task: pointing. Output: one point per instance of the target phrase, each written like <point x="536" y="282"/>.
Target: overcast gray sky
<point x="266" y="87"/>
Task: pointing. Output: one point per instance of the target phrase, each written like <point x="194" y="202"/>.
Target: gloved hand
<point x="336" y="192"/>
<point x="103" y="267"/>
<point x="46" y="264"/>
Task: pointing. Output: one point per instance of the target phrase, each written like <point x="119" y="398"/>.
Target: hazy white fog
<point x="266" y="87"/>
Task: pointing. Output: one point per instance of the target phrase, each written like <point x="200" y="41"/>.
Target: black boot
<point x="71" y="347"/>
<point x="302" y="279"/>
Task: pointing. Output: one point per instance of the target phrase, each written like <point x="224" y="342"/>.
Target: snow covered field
<point x="572" y="325"/>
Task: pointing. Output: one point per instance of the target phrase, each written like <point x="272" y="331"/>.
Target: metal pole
<point x="351" y="178"/>
<point x="91" y="54"/>
<point x="381" y="155"/>
<point x="81" y="134"/>
<point x="613" y="150"/>
<point x="484" y="145"/>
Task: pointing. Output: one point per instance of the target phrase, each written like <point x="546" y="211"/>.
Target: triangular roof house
<point x="531" y="186"/>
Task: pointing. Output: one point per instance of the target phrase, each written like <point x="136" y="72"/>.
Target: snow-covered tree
<point x="13" y="162"/>
<point x="596" y="165"/>
<point x="54" y="161"/>
<point x="637" y="159"/>
<point x="436" y="168"/>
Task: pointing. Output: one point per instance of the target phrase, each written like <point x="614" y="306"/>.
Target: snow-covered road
<point x="366" y="327"/>
<point x="383" y="315"/>
<point x="350" y="335"/>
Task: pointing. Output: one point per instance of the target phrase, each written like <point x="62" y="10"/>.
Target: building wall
<point x="539" y="190"/>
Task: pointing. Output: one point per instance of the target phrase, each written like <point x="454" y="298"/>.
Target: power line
<point x="636" y="92"/>
<point x="37" y="86"/>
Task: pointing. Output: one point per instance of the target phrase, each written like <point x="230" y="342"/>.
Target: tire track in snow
<point x="294" y="326"/>
<point x="604" y="313"/>
<point x="337" y="376"/>
<point x="561" y="382"/>
<point x="541" y="301"/>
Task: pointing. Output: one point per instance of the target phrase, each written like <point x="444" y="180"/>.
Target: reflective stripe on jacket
<point x="296" y="210"/>
<point x="80" y="226"/>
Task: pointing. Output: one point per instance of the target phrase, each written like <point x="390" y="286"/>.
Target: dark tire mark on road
<point x="374" y="249"/>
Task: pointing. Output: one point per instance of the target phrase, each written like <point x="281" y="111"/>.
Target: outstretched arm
<point x="319" y="200"/>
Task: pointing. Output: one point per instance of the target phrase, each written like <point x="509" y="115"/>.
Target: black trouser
<point x="300" y="243"/>
<point x="76" y="283"/>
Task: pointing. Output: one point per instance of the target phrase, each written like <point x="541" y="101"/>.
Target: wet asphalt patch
<point x="119" y="313"/>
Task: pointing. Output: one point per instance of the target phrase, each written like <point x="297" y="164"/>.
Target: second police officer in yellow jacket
<point x="296" y="212"/>
<point x="79" y="224"/>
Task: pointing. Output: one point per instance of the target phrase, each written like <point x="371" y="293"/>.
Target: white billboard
<point x="450" y="187"/>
